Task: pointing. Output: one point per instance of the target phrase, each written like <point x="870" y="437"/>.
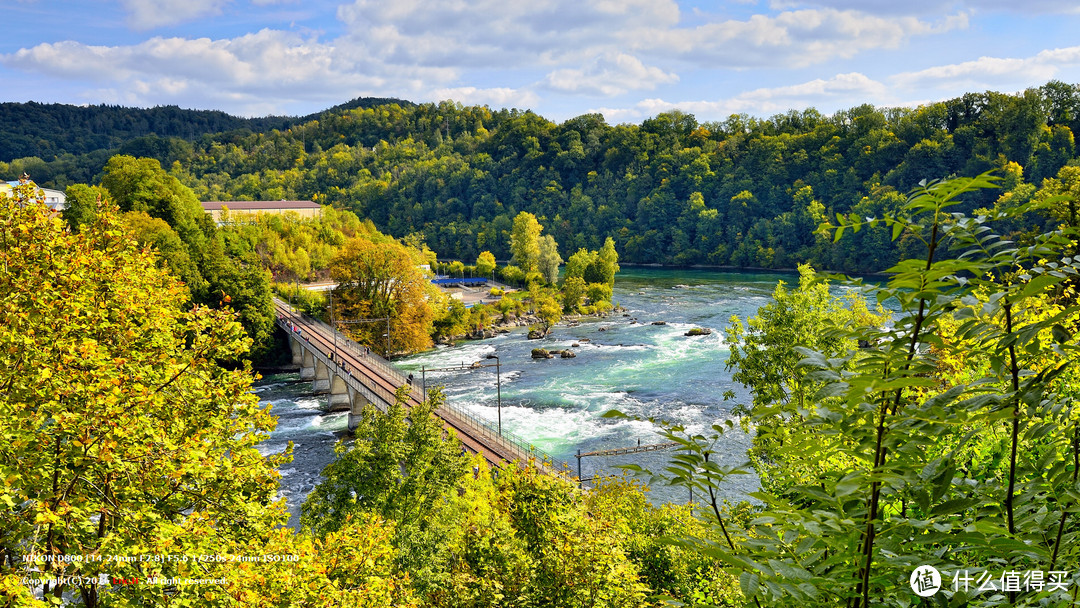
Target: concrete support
<point x="320" y="385"/>
<point x="340" y="399"/>
<point x="297" y="350"/>
<point x="356" y="408"/>
<point x="307" y="364"/>
<point x="326" y="378"/>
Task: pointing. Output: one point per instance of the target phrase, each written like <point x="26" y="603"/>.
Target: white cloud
<point x="608" y="75"/>
<point x="932" y="7"/>
<point x="148" y="14"/>
<point x="432" y="49"/>
<point x="243" y="73"/>
<point x="789" y="39"/>
<point x="988" y="72"/>
<point x="763" y="101"/>
<point x="572" y="34"/>
<point x="499" y="97"/>
<point x="497" y="33"/>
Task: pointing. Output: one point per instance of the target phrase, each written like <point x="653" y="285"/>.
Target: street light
<point x="498" y="387"/>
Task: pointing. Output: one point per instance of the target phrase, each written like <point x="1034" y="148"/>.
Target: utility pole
<point x="498" y="387"/>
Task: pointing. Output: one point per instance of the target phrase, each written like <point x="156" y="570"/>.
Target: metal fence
<point x="481" y="427"/>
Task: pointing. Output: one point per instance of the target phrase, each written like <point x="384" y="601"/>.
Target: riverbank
<point x="525" y="321"/>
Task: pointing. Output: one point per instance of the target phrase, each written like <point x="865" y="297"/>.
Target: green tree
<point x="525" y="242"/>
<point x="456" y="268"/>
<point x="580" y="262"/>
<point x="547" y="309"/>
<point x="599" y="295"/>
<point x="573" y="291"/>
<point x="398" y="469"/>
<point x="119" y="433"/>
<point x="549" y="260"/>
<point x="82" y="204"/>
<point x="607" y="264"/>
<point x="949" y="438"/>
<point x="763" y="352"/>
<point x="140" y="184"/>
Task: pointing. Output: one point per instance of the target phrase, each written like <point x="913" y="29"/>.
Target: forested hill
<point x="50" y="130"/>
<point x="741" y="192"/>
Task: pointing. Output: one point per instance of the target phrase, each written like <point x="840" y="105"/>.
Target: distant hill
<point x="48" y="131"/>
<point x="743" y="192"/>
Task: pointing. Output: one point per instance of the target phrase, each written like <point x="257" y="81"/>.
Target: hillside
<point x="743" y="192"/>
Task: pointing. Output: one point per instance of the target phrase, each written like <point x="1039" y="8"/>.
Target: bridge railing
<point x="478" y="425"/>
<point x="370" y="390"/>
<point x="490" y="431"/>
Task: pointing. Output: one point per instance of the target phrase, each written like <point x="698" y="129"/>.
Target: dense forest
<point x="743" y="192"/>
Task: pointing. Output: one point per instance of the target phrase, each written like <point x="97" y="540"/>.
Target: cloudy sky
<point x="628" y="59"/>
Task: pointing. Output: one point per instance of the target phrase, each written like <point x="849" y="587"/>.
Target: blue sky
<point x="628" y="59"/>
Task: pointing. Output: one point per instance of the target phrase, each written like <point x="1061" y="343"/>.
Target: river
<point x="628" y="364"/>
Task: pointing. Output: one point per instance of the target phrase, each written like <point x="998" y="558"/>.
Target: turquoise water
<point x="640" y="369"/>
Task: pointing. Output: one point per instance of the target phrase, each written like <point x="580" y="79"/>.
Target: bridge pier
<point x="340" y="399"/>
<point x="327" y="379"/>
<point x="307" y="364"/>
<point x="297" y="350"/>
<point x="320" y="385"/>
<point x="356" y="408"/>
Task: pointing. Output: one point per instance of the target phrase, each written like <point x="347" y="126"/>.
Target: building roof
<point x="258" y="205"/>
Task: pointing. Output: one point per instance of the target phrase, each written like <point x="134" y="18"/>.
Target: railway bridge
<point x="353" y="377"/>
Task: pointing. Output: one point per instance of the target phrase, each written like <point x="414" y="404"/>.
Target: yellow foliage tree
<point x="381" y="280"/>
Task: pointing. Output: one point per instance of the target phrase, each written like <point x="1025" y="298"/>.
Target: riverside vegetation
<point x="378" y="276"/>
<point x="944" y="434"/>
<point x="133" y="440"/>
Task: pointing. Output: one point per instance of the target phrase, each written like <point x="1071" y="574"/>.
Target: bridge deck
<point x="381" y="379"/>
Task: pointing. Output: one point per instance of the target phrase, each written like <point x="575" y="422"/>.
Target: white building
<point x="55" y="199"/>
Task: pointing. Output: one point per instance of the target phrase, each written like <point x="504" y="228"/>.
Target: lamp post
<point x="498" y="387"/>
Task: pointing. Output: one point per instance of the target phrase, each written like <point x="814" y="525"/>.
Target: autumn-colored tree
<point x="380" y="280"/>
<point x="119" y="434"/>
<point x="485" y="264"/>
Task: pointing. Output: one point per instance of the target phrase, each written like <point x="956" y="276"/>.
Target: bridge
<point x="353" y="377"/>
